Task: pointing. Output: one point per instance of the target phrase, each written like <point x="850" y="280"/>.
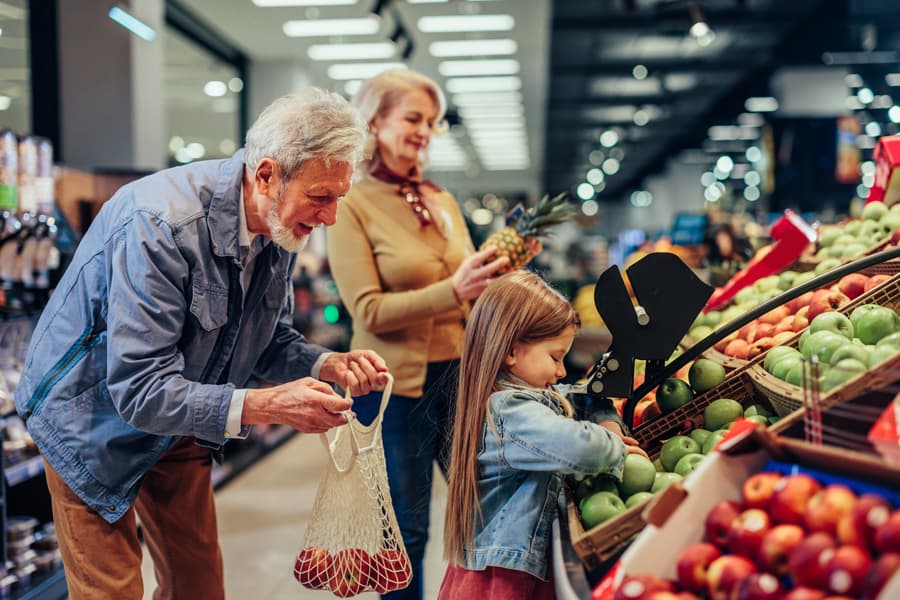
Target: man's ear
<point x="266" y="175"/>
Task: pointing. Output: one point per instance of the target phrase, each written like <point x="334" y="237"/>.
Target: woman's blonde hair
<point x="519" y="307"/>
<point x="379" y="94"/>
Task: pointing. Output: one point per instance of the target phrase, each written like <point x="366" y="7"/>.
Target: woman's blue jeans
<point x="416" y="433"/>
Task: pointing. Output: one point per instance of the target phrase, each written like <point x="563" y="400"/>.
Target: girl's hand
<point x="631" y="444"/>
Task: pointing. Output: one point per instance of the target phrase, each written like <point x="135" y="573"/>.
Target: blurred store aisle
<point x="262" y="519"/>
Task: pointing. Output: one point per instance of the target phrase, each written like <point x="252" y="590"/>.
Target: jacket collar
<point x="224" y="215"/>
<point x="508" y="381"/>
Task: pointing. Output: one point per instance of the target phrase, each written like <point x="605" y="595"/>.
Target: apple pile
<point x="843" y="346"/>
<point x="353" y="570"/>
<point x="789" y="538"/>
<point x="854" y="238"/>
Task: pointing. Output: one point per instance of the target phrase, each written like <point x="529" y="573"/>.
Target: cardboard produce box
<point x="656" y="549"/>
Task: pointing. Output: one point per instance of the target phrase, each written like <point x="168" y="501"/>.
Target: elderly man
<point x="179" y="292"/>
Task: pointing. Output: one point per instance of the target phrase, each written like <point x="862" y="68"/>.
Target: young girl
<point x="514" y="441"/>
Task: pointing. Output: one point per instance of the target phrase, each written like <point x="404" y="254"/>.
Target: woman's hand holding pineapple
<point x="474" y="274"/>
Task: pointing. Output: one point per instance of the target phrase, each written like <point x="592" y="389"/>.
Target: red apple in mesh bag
<point x="746" y="533"/>
<point x="880" y="573"/>
<point x="349" y="574"/>
<point x="887" y="536"/>
<point x="692" y="565"/>
<point x="806" y="562"/>
<point x="846" y="570"/>
<point x="758" y="586"/>
<point x="777" y="545"/>
<point x="828" y="507"/>
<point x="759" y="488"/>
<point x="790" y="498"/>
<point x="858" y="526"/>
<point x="725" y="573"/>
<point x="640" y="585"/>
<point x="312" y="566"/>
<point x="390" y="571"/>
<point x="718" y="521"/>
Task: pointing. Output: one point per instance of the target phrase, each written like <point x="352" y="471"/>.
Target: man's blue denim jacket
<point x="521" y="475"/>
<point x="148" y="333"/>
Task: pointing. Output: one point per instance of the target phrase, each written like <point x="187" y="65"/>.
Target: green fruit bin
<point x="808" y="262"/>
<point x="786" y="398"/>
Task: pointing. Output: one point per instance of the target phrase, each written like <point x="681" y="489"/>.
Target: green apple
<point x="713" y="440"/>
<point x="672" y="393"/>
<point x="699" y="332"/>
<point x="595" y="483"/>
<point x="826" y="265"/>
<point x="842" y="371"/>
<point x="766" y="283"/>
<point x="638" y="498"/>
<point x="675" y="448"/>
<point x="871" y="322"/>
<point x="637" y="476"/>
<point x="758" y="419"/>
<point x="822" y="345"/>
<point x="827" y="236"/>
<point x="881" y="353"/>
<point x="854" y="249"/>
<point x="777" y="353"/>
<point x="786" y="280"/>
<point x="720" y="413"/>
<point x="687" y="463"/>
<point x="802" y="278"/>
<point x="711" y="318"/>
<point x="658" y="465"/>
<point x="892" y="339"/>
<point x="747" y="295"/>
<point x="731" y="313"/>
<point x="853" y="227"/>
<point x="832" y="321"/>
<point x="757" y="409"/>
<point x="891" y="221"/>
<point x="844" y="239"/>
<point x="699" y="435"/>
<point x="799" y="375"/>
<point x="600" y="507"/>
<point x="855" y="351"/>
<point x="831" y="252"/>
<point x="780" y="369"/>
<point x="705" y="374"/>
<point x="874" y="211"/>
<point x="663" y="480"/>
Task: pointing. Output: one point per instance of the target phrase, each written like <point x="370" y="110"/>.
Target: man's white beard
<point x="281" y="235"/>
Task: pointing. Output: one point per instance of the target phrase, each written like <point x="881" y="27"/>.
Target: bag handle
<point x="353" y="426"/>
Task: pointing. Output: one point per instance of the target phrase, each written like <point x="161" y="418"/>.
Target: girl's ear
<point x="510" y="359"/>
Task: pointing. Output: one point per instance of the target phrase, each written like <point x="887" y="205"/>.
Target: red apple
<point x="805" y="593"/>
<point x="775" y="316"/>
<point x="641" y="585"/>
<point x="312" y="566"/>
<point x="828" y="507"/>
<point x="758" y="489"/>
<point x="349" y="574"/>
<point x="777" y="545"/>
<point x="758" y="586"/>
<point x="786" y="324"/>
<point x="876" y="280"/>
<point x="738" y="348"/>
<point x="807" y="561"/>
<point x="718" y="521"/>
<point x="746" y="532"/>
<point x="390" y="570"/>
<point x="801" y="319"/>
<point x="824" y="301"/>
<point x="887" y="536"/>
<point x="881" y="572"/>
<point x="794" y="305"/>
<point x="761" y="345"/>
<point x="725" y="573"/>
<point x="692" y="565"/>
<point x="748" y="331"/>
<point x="858" y="526"/>
<point x="846" y="570"/>
<point x="853" y="285"/>
<point x="790" y="498"/>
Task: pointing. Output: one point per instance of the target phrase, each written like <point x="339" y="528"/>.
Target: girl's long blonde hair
<point x="519" y="307"/>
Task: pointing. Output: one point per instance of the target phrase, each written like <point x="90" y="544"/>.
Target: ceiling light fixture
<point x="458" y="23"/>
<point x="639" y="72"/>
<point x="343" y="71"/>
<point x="464" y="68"/>
<point x="286" y="3"/>
<point x="132" y="23"/>
<point x="373" y="50"/>
<point x="700" y="29"/>
<point x="761" y="104"/>
<point x="483" y="84"/>
<point x="326" y="27"/>
<point x="451" y="48"/>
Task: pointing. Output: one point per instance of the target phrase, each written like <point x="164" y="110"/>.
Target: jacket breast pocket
<point x="276" y="293"/>
<point x="210" y="306"/>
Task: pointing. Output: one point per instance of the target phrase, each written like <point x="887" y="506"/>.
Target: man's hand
<point x="360" y="371"/>
<point x="307" y="405"/>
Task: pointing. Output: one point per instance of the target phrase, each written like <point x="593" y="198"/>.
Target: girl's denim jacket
<point x="520" y="474"/>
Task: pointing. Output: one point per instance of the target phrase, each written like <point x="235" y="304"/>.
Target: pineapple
<point x="515" y="240"/>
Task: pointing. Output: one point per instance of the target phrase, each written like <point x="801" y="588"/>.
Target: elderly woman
<point x="406" y="269"/>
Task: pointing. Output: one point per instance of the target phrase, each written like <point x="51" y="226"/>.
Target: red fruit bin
<point x="681" y="510"/>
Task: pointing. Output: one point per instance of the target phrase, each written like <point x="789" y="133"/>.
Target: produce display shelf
<point x="51" y="586"/>
<point x="23" y="471"/>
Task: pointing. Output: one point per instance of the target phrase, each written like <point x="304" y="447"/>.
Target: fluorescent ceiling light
<point x="491" y="111"/>
<point x="361" y="70"/>
<point x="215" y="89"/>
<point x="472" y="48"/>
<point x="751" y="120"/>
<point x="373" y="50"/>
<point x="278" y="3"/>
<point x="476" y="99"/>
<point x="5" y="102"/>
<point x="132" y="23"/>
<point x="456" y="23"/>
<point x="761" y="104"/>
<point x="892" y="79"/>
<point x="483" y="84"/>
<point x="326" y="27"/>
<point x="425" y="1"/>
<point x="462" y="68"/>
<point x="494" y="123"/>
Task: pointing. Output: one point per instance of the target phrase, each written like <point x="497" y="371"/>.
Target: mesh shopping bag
<point x="353" y="542"/>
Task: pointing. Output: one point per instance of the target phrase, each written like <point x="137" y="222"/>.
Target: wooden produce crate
<point x="729" y="362"/>
<point x="786" y="398"/>
<point x="604" y="541"/>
